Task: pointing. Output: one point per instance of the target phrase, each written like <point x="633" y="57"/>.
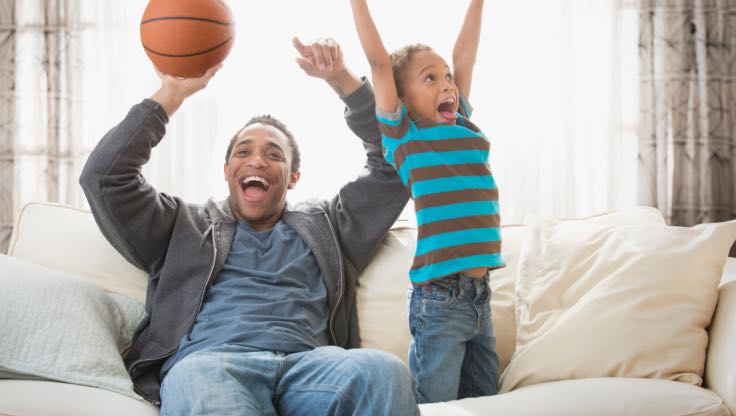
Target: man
<point x="251" y="302"/>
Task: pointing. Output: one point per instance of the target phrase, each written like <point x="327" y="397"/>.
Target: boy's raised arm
<point x="466" y="47"/>
<point x="387" y="98"/>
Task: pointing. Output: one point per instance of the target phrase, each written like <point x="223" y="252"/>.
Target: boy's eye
<point x="429" y="77"/>
<point x="448" y="77"/>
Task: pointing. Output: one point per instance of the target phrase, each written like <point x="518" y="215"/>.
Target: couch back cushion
<point x="67" y="239"/>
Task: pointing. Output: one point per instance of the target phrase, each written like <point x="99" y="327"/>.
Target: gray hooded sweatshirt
<point x="183" y="246"/>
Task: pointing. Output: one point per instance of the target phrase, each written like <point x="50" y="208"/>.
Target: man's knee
<point x="382" y="366"/>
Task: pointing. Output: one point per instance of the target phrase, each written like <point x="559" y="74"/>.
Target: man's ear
<point x="226" y="170"/>
<point x="294" y="179"/>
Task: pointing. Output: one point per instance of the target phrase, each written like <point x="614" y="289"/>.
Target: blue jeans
<point x="453" y="352"/>
<point x="233" y="380"/>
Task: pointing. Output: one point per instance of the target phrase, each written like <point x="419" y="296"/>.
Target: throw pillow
<point x="58" y="327"/>
<point x="503" y="281"/>
<point x="596" y="300"/>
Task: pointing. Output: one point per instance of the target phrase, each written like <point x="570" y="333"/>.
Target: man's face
<point x="430" y="93"/>
<point x="258" y="174"/>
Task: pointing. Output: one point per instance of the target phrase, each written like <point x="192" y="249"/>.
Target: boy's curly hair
<point x="400" y="59"/>
<point x="271" y="121"/>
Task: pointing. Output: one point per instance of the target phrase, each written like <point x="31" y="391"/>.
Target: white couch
<point x="66" y="239"/>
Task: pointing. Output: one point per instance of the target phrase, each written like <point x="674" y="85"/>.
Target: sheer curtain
<point x="554" y="89"/>
<point x="688" y="141"/>
<point x="563" y="105"/>
<point x="40" y="157"/>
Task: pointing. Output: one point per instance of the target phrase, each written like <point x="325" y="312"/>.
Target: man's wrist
<point x="344" y="83"/>
<point x="169" y="98"/>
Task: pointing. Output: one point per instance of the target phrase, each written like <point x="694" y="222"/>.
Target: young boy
<point x="442" y="158"/>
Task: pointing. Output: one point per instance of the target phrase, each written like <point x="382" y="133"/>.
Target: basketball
<point x="186" y="37"/>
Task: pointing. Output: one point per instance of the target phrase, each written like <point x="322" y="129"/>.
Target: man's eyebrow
<point x="270" y="143"/>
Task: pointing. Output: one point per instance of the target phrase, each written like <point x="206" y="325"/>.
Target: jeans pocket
<point x="443" y="293"/>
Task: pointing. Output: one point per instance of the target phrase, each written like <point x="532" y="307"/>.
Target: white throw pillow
<point x="596" y="300"/>
<point x="503" y="281"/>
<point x="58" y="327"/>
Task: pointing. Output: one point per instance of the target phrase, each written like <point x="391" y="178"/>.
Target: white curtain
<point x="563" y="105"/>
<point x="42" y="96"/>
<point x="554" y="88"/>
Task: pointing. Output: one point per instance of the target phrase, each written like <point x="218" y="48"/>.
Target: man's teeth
<point x="258" y="179"/>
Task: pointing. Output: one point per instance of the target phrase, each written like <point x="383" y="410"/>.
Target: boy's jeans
<point x="234" y="380"/>
<point x="453" y="353"/>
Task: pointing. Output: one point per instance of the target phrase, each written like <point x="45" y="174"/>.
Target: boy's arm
<point x="466" y="47"/>
<point x="387" y="98"/>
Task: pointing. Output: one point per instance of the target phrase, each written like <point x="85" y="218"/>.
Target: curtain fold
<point x="7" y="119"/>
<point x="41" y="91"/>
<point x="687" y="140"/>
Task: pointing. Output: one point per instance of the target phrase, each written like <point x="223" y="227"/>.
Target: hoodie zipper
<point x="339" y="283"/>
<point x="212" y="229"/>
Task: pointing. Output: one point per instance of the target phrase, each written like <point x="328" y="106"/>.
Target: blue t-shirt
<point x="269" y="296"/>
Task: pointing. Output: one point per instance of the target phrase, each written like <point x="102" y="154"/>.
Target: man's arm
<point x="466" y="47"/>
<point x="135" y="218"/>
<point x="387" y="98"/>
<point x="324" y="59"/>
<point x="364" y="209"/>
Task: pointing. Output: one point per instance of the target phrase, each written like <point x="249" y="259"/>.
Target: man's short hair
<point x="271" y="121"/>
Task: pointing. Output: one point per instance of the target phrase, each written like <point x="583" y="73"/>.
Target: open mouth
<point x="255" y="188"/>
<point x="446" y="109"/>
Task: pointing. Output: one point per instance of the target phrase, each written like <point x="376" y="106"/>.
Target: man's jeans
<point x="234" y="380"/>
<point x="453" y="352"/>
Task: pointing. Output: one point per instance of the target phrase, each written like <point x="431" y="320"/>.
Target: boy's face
<point x="430" y="94"/>
<point x="258" y="173"/>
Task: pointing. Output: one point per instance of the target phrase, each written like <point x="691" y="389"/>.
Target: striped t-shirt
<point x="445" y="168"/>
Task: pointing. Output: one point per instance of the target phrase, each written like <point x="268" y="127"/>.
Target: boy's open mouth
<point x="447" y="109"/>
<point x="255" y="188"/>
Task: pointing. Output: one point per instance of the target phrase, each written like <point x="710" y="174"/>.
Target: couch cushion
<point x="615" y="301"/>
<point x="59" y="327"/>
<point x="67" y="239"/>
<point x="597" y="396"/>
<point x="47" y="398"/>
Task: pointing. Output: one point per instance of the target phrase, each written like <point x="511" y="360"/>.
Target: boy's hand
<point x="321" y="59"/>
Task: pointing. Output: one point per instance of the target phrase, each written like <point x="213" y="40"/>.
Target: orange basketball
<point x="186" y="37"/>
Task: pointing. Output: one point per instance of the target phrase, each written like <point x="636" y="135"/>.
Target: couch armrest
<point x="720" y="366"/>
